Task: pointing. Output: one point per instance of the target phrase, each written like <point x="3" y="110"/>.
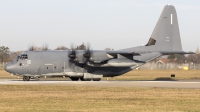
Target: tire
<point x="97" y="79"/>
<point x="74" y="78"/>
<point x="26" y="78"/>
<point x="87" y="79"/>
<point x="81" y="79"/>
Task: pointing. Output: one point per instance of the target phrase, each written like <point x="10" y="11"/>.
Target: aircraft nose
<point x="7" y="67"/>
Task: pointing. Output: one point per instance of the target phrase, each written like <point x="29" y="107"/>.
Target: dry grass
<point x="4" y="74"/>
<point x="33" y="98"/>
<point x="159" y="75"/>
<point x="23" y="98"/>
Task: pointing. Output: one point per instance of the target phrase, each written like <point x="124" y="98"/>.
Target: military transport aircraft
<point x="89" y="64"/>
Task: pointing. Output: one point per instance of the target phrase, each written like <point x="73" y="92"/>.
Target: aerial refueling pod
<point x="122" y="62"/>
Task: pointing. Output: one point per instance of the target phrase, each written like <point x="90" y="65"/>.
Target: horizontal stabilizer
<point x="176" y="52"/>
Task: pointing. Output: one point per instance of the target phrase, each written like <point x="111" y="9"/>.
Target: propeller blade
<point x="88" y="53"/>
<point x="73" y="53"/>
<point x="72" y="46"/>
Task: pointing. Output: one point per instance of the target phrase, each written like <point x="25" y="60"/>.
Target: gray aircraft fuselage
<point x="56" y="63"/>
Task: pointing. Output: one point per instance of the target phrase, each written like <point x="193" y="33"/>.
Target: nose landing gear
<point x="26" y="78"/>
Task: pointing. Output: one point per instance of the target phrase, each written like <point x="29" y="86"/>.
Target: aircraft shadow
<point x="164" y="79"/>
<point x="41" y="80"/>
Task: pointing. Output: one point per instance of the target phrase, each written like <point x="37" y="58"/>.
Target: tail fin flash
<point x="166" y="35"/>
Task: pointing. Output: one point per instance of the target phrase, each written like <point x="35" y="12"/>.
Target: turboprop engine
<point x="83" y="56"/>
<point x="100" y="56"/>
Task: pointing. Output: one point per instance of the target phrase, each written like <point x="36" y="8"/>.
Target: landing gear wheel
<point x="74" y="78"/>
<point x="82" y="79"/>
<point x="87" y="79"/>
<point x="26" y="78"/>
<point x="97" y="79"/>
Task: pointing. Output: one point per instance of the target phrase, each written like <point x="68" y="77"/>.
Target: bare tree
<point x="61" y="48"/>
<point x="81" y="47"/>
<point x="12" y="55"/>
<point x="31" y="48"/>
<point x="44" y="47"/>
<point x="4" y="53"/>
<point x="178" y="58"/>
<point x="194" y="58"/>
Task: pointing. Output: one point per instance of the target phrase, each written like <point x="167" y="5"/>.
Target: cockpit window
<point x="18" y="57"/>
<point x="22" y="56"/>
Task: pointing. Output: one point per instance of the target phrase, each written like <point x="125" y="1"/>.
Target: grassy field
<point x="141" y="75"/>
<point x="159" y="75"/>
<point x="4" y="74"/>
<point x="33" y="98"/>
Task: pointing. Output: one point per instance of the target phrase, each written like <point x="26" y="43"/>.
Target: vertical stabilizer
<point x="166" y="35"/>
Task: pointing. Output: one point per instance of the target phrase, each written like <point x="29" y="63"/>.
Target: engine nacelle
<point x="79" y="56"/>
<point x="99" y="56"/>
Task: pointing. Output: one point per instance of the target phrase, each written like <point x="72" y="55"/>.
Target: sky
<point x="115" y="24"/>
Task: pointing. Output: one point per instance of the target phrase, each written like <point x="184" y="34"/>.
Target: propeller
<point x="31" y="48"/>
<point x="72" y="57"/>
<point x="45" y="47"/>
<point x="73" y="53"/>
<point x="88" y="53"/>
<point x="81" y="56"/>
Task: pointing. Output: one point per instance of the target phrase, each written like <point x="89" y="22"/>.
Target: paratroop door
<point x="40" y="70"/>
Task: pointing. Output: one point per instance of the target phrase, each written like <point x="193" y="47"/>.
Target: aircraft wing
<point x="114" y="53"/>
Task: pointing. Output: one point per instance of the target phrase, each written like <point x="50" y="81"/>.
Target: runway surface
<point x="150" y="84"/>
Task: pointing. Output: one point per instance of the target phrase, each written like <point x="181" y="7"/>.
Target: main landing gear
<point x="74" y="78"/>
<point x="26" y="78"/>
<point x="82" y="79"/>
<point x="97" y="79"/>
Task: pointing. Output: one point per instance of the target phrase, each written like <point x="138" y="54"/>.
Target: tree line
<point x="7" y="56"/>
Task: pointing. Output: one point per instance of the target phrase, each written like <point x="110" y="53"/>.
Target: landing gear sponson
<point x="27" y="78"/>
